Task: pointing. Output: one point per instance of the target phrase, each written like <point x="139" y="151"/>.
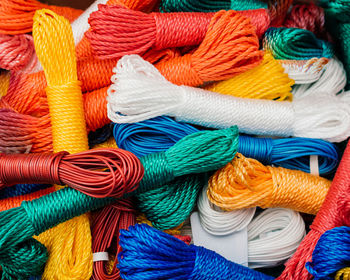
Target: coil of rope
<point x="160" y="133"/>
<point x="210" y="5"/>
<point x="155" y="96"/>
<point x="98" y="173"/>
<point x="166" y="257"/>
<point x="308" y="16"/>
<point x="332" y="253"/>
<point x="105" y="234"/>
<point x="197" y="153"/>
<point x="295" y="43"/>
<point x="335" y="212"/>
<point x="331" y="82"/>
<point x="21" y="189"/>
<point x="134" y="32"/>
<point x="170" y="205"/>
<point x="273" y="235"/>
<point x="245" y="183"/>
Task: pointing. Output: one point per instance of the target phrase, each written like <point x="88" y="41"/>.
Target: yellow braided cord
<point x="141" y="219"/>
<point x="266" y="81"/>
<point x="110" y="143"/>
<point x="246" y="183"/>
<point x="4" y="83"/>
<point x="343" y="274"/>
<point x="69" y="244"/>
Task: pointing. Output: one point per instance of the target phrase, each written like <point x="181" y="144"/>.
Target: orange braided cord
<point x="16" y="201"/>
<point x="17" y="15"/>
<point x="246" y="183"/>
<point x="278" y="11"/>
<point x="230" y="47"/>
<point x="4" y="83"/>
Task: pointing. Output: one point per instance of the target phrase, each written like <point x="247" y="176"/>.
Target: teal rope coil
<point x="210" y="5"/>
<point x="295" y="44"/>
<point x="196" y="153"/>
<point x="170" y="205"/>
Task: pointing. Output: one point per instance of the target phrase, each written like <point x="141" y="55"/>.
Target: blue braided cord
<point x="21" y="189"/>
<point x="100" y="135"/>
<point x="332" y="253"/>
<point x="159" y="134"/>
<point x="152" y="254"/>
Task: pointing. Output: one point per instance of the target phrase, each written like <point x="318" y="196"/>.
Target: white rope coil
<point x="139" y="92"/>
<point x="331" y="82"/>
<point x="273" y="235"/>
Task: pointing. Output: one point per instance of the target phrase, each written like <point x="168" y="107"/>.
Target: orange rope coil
<point x="246" y="183"/>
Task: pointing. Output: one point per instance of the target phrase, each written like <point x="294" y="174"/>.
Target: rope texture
<point x="332" y="253"/>
<point x="140" y="92"/>
<point x="295" y="43"/>
<point x="69" y="244"/>
<point x="166" y="257"/>
<point x="245" y="183"/>
<point x="21" y="189"/>
<point x="170" y="205"/>
<point x="134" y="32"/>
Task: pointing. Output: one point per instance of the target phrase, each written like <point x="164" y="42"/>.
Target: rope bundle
<point x="133" y="32"/>
<point x="161" y="133"/>
<point x="331" y="253"/>
<point x="121" y="171"/>
<point x="21" y="189"/>
<point x="273" y="235"/>
<point x="196" y="153"/>
<point x="210" y="5"/>
<point x="17" y="15"/>
<point x="166" y="257"/>
<point x="140" y="92"/>
<point x="170" y="205"/>
<point x="333" y="213"/>
<point x="105" y="234"/>
<point x="16" y="51"/>
<point x="245" y="183"/>
<point x="295" y="43"/>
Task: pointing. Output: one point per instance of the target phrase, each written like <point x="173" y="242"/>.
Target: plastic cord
<point x="273" y="235"/>
<point x="245" y="183"/>
<point x="166" y="257"/>
<point x="21" y="189"/>
<point x="98" y="173"/>
<point x="134" y="32"/>
<point x="161" y="133"/>
<point x="140" y="92"/>
<point x="332" y="253"/>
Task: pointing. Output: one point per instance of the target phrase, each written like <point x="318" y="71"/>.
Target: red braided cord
<point x="133" y="32"/>
<point x="333" y="213"/>
<point x="98" y="173"/>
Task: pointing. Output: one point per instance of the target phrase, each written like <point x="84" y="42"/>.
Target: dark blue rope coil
<point x="21" y="189"/>
<point x="332" y="253"/>
<point x="161" y="133"/>
<point x="100" y="135"/>
<point x="150" y="254"/>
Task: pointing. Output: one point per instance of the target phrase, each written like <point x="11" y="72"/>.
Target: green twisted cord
<point x="195" y="153"/>
<point x="210" y="5"/>
<point x="344" y="38"/>
<point x="171" y="204"/>
<point x="337" y="9"/>
<point x="295" y="43"/>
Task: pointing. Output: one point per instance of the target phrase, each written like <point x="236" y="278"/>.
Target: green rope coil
<point x="210" y="5"/>
<point x="195" y="153"/>
<point x="295" y="43"/>
<point x="344" y="38"/>
<point x="337" y="9"/>
<point x="170" y="205"/>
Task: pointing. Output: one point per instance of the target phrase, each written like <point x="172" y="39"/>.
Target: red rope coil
<point x="133" y="32"/>
<point x="98" y="173"/>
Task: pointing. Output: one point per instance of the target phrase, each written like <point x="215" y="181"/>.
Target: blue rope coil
<point x="159" y="134"/>
<point x="152" y="254"/>
<point x="21" y="189"/>
<point x="332" y="253"/>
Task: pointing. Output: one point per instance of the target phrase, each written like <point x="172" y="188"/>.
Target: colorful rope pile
<point x="119" y="122"/>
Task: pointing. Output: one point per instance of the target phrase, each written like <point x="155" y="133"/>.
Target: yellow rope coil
<point x="69" y="244"/>
<point x="110" y="143"/>
<point x="343" y="274"/>
<point x="266" y="81"/>
<point x="245" y="183"/>
<point x="4" y="83"/>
